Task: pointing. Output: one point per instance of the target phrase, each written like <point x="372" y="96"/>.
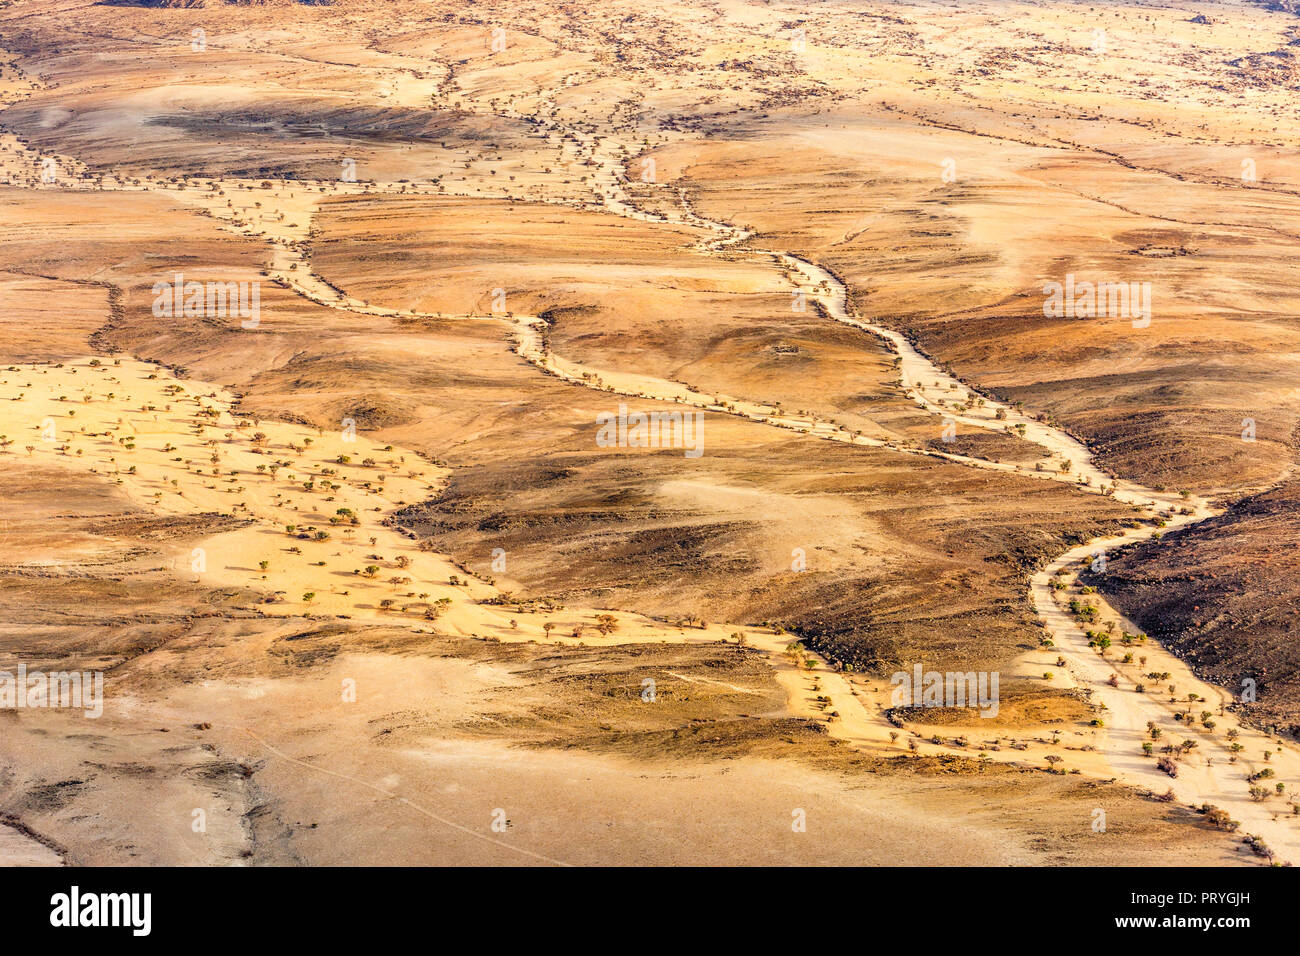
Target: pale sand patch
<point x="157" y="437"/>
<point x="18" y="849"/>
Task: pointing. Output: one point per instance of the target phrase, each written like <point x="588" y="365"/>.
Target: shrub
<point x="1218" y="818"/>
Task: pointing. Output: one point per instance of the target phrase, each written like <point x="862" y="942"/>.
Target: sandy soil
<point x="305" y="517"/>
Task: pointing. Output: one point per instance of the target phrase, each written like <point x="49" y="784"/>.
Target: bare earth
<point x="363" y="583"/>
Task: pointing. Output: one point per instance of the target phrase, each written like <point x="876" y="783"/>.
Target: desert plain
<point x="326" y="330"/>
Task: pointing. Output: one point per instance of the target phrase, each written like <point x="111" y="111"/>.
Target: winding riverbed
<point x="1214" y="773"/>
